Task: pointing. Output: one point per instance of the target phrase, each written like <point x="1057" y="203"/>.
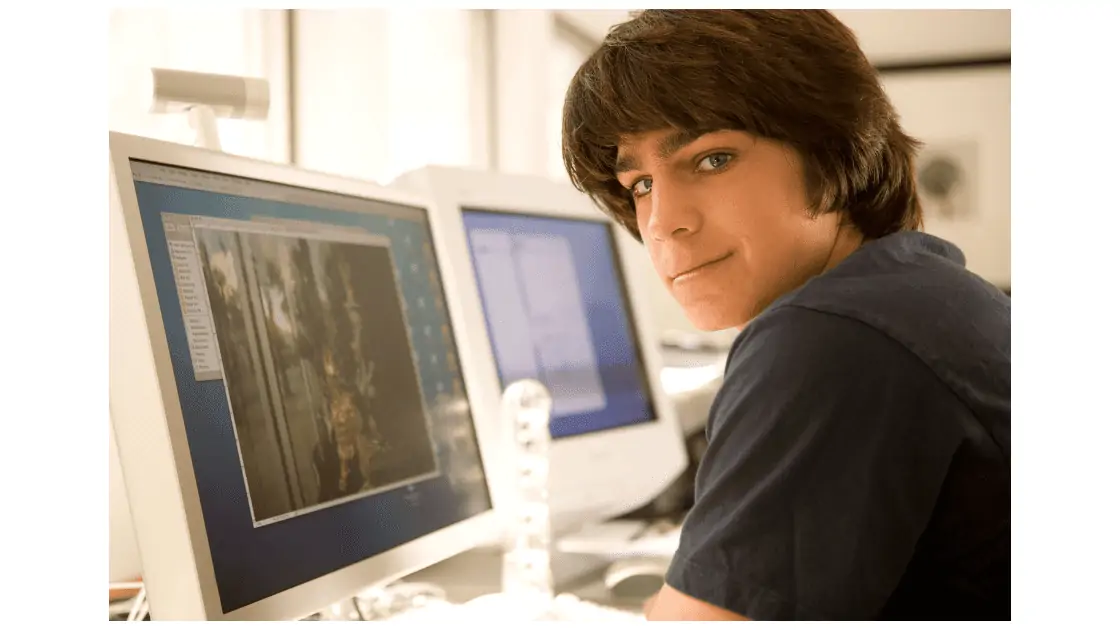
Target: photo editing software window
<point x="317" y="373"/>
<point x="557" y="311"/>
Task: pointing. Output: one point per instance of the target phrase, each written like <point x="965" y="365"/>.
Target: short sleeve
<point x="828" y="446"/>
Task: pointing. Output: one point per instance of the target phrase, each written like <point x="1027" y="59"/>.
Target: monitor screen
<point x="316" y="370"/>
<point x="557" y="311"/>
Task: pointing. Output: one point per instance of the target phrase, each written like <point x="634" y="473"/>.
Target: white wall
<point x="522" y="87"/>
<point x="381" y="91"/>
<point x="886" y="36"/>
<point x="565" y="58"/>
<point x="894" y="36"/>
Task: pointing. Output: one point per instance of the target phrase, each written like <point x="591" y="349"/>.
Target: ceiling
<point x="887" y="36"/>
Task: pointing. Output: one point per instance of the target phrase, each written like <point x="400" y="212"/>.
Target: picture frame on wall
<point x="962" y="117"/>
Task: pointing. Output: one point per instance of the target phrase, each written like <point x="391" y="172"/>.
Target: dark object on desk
<point x="639" y="586"/>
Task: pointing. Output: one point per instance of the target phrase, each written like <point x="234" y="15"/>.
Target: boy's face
<point x="725" y="219"/>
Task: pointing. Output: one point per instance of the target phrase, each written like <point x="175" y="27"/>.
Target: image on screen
<point x="556" y="311"/>
<point x="310" y="331"/>
<point x="316" y="370"/>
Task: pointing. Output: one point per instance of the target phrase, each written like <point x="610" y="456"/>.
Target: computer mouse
<point x="635" y="578"/>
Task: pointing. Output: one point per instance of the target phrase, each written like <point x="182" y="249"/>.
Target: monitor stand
<point x="204" y="122"/>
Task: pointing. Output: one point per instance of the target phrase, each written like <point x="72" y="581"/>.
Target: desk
<point x="479" y="572"/>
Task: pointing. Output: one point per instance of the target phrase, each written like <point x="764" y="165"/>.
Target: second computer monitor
<point x="556" y="311"/>
<point x="551" y="292"/>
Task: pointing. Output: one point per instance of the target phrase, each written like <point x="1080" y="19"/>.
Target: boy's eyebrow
<point x="672" y="142"/>
<point x="676" y="141"/>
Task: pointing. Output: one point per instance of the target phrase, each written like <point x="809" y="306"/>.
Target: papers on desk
<point x="622" y="539"/>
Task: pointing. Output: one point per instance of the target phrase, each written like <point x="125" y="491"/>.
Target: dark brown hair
<point x="797" y="77"/>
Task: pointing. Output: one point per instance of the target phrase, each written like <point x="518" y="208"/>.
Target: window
<point x="428" y="94"/>
<point x="567" y="52"/>
<point x="383" y="91"/>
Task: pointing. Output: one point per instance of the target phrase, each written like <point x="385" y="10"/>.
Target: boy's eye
<point x="641" y="187"/>
<point x="714" y="162"/>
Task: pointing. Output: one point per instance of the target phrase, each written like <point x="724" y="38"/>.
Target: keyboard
<point x="567" y="607"/>
<point x="433" y="612"/>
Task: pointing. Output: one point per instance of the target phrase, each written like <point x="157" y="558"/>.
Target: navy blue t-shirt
<point x="858" y="464"/>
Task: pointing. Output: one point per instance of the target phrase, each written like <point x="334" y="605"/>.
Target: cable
<point x="358" y="608"/>
<point x="133" y="614"/>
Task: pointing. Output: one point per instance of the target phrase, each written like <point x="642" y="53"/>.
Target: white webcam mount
<point x="206" y="97"/>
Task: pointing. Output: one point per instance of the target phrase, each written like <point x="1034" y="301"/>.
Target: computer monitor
<point x="287" y="393"/>
<point x="551" y="290"/>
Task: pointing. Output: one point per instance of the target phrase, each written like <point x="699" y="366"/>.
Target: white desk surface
<point x="478" y="572"/>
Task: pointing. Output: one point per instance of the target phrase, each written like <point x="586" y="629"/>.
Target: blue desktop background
<point x="607" y="310"/>
<point x="251" y="563"/>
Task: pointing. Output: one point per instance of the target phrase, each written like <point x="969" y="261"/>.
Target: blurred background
<point x="372" y="93"/>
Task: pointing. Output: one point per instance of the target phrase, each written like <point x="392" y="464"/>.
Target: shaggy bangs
<point x="797" y="77"/>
